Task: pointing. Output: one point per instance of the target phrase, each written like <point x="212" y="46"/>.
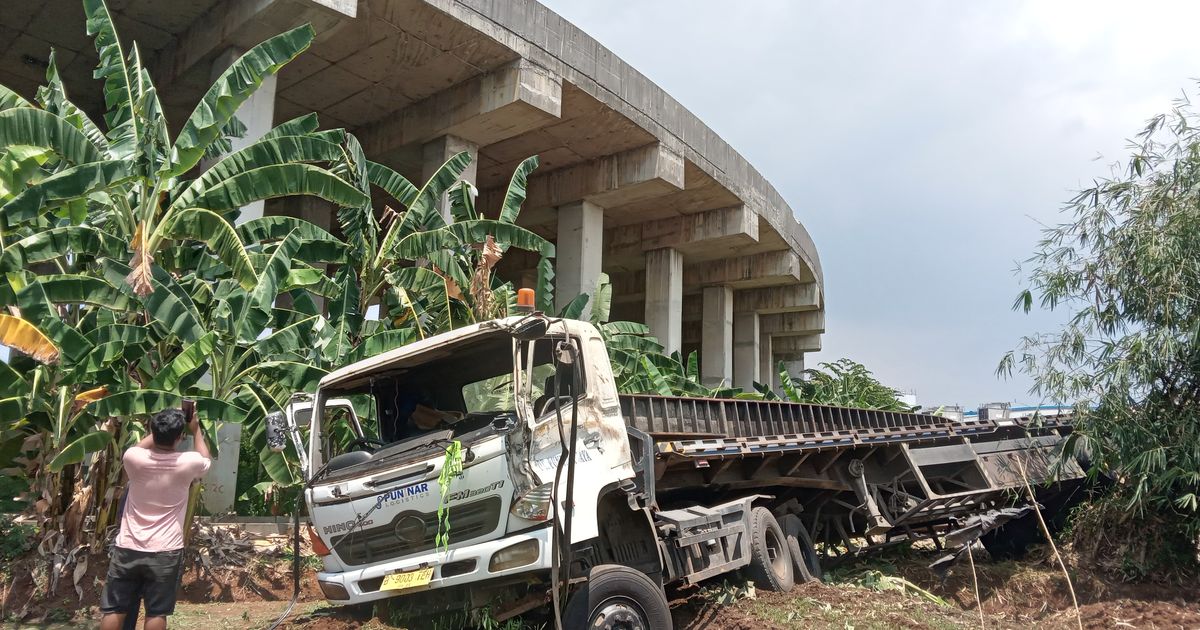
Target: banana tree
<point x="129" y="180"/>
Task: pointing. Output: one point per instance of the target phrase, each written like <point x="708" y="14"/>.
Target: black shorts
<point x="152" y="576"/>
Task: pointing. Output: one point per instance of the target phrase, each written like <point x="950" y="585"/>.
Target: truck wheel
<point x="806" y="566"/>
<point x="770" y="562"/>
<point x="618" y="598"/>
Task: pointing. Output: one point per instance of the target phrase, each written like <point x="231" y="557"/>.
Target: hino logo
<point x="337" y="528"/>
<point x="402" y="495"/>
<point x="467" y="494"/>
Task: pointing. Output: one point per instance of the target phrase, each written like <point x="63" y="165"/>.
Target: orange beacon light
<point x="525" y="299"/>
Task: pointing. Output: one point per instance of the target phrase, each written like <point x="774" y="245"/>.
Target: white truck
<point x="653" y="490"/>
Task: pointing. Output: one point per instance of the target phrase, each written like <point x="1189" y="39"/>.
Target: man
<point x="146" y="560"/>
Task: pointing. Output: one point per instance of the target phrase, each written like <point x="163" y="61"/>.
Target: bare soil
<point x="1025" y="594"/>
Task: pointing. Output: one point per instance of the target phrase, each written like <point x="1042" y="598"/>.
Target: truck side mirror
<point x="530" y="329"/>
<point x="276" y="431"/>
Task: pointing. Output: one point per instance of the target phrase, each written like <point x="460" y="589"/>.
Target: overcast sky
<point x="921" y="143"/>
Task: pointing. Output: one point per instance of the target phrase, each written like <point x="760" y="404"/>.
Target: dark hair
<point x="167" y="426"/>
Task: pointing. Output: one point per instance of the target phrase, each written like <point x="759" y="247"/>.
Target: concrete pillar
<point x="257" y="113"/>
<point x="435" y="153"/>
<point x="746" y="358"/>
<point x="767" y="374"/>
<point x="664" y="296"/>
<point x="716" y="342"/>
<point x="578" y="252"/>
<point x="220" y="482"/>
<point x="794" y="366"/>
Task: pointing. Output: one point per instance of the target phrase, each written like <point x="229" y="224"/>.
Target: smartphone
<point x="189" y="410"/>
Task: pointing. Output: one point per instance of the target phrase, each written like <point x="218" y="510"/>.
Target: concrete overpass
<point x="698" y="244"/>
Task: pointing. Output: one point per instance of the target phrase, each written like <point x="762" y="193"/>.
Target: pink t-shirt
<point x="157" y="500"/>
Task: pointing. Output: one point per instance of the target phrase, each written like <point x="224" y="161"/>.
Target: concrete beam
<point x="784" y="299"/>
<point x="716" y="343"/>
<point x="511" y="100"/>
<point x="579" y="251"/>
<point x="793" y="324"/>
<point x="244" y="23"/>
<point x="742" y="272"/>
<point x="664" y="296"/>
<point x="686" y="233"/>
<point x="791" y="346"/>
<point x="638" y="174"/>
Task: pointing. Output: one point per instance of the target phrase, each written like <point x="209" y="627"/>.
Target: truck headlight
<point x="513" y="556"/>
<point x="534" y="505"/>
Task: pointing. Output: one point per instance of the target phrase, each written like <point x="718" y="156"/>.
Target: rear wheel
<point x="770" y="561"/>
<point x="618" y="598"/>
<point x="805" y="564"/>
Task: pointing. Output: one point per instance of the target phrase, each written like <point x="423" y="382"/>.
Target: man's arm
<point x="148" y="441"/>
<point x="198" y="439"/>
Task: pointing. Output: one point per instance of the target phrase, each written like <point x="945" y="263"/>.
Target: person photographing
<point x="147" y="557"/>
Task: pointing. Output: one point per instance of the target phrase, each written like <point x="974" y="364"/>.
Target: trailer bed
<point x="859" y="477"/>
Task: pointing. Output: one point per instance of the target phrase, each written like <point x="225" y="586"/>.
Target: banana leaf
<point x="39" y="128"/>
<point x="273" y="151"/>
<point x="192" y="358"/>
<point x="24" y="336"/>
<point x="277" y="180"/>
<point x="57" y="243"/>
<point x="62" y="188"/>
<point x="239" y="81"/>
<point x="298" y="126"/>
<point x="382" y="342"/>
<point x="213" y="230"/>
<point x="78" y="449"/>
<point x="81" y="289"/>
<point x="392" y="183"/>
<point x="53" y="97"/>
<point x="455" y="235"/>
<point x="517" y="188"/>
<point x="169" y="307"/>
<point x="10" y="99"/>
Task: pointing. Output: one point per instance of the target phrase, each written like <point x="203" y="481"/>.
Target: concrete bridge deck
<point x="698" y="244"/>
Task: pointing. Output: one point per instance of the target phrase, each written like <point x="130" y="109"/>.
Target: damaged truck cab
<point x="496" y="466"/>
<point x="500" y="389"/>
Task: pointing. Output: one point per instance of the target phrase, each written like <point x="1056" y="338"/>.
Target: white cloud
<point x="921" y="143"/>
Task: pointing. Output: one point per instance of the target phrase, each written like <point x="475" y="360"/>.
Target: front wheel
<point x="618" y="598"/>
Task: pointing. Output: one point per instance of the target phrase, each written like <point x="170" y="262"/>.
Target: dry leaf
<point x="81" y="566"/>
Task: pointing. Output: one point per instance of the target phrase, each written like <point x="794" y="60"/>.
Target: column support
<point x="745" y="350"/>
<point x="435" y="153"/>
<point x="664" y="296"/>
<point x="257" y="113"/>
<point x="578" y="252"/>
<point x="767" y="374"/>
<point x="716" y="343"/>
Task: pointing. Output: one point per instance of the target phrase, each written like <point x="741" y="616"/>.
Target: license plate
<point x="408" y="579"/>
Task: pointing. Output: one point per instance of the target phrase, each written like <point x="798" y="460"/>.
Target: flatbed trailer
<point x="856" y="479"/>
<point x="570" y="492"/>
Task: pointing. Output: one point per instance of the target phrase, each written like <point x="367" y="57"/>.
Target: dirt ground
<point x="1025" y="594"/>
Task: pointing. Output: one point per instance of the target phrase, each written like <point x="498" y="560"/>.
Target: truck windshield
<point x="447" y="392"/>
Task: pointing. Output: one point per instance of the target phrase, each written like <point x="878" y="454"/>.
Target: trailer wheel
<point x="618" y="598"/>
<point x="806" y="566"/>
<point x="770" y="565"/>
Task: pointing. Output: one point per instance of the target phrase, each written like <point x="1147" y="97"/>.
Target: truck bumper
<point x="462" y="565"/>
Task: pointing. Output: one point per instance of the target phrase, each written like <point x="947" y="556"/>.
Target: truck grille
<point x="417" y="532"/>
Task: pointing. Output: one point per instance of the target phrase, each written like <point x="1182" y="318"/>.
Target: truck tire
<point x="806" y="566"/>
<point x="618" y="597"/>
<point x="770" y="565"/>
